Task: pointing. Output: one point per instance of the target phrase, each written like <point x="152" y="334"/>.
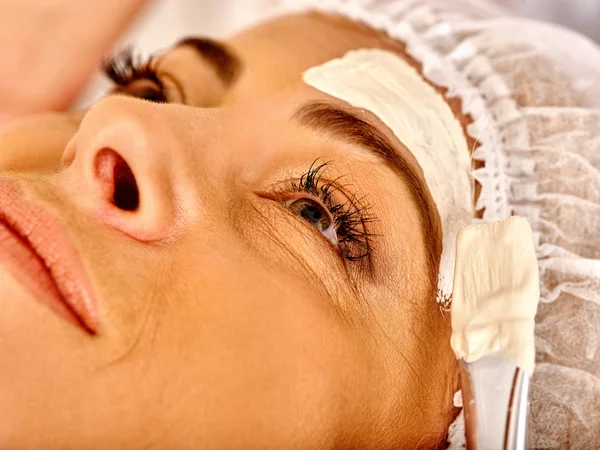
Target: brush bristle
<point x="496" y="292"/>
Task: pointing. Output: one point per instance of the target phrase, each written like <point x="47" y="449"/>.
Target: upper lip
<point x="42" y="233"/>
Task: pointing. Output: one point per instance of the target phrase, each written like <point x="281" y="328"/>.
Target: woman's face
<point x="263" y="276"/>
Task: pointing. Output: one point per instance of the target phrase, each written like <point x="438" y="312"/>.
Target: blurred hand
<point x="50" y="48"/>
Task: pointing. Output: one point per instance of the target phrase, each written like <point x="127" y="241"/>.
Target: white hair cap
<point x="533" y="93"/>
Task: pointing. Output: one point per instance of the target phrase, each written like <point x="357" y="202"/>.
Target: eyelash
<point x="126" y="67"/>
<point x="351" y="217"/>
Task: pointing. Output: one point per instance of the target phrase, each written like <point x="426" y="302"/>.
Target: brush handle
<point x="495" y="393"/>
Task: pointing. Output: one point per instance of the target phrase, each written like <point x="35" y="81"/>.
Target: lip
<point x="39" y="255"/>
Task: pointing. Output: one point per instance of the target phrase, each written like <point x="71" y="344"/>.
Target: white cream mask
<point x="387" y="86"/>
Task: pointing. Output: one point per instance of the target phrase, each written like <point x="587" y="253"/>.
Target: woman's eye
<point x="136" y="77"/>
<point x="317" y="215"/>
<point x="147" y="91"/>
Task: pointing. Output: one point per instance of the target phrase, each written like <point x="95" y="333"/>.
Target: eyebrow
<point x="227" y="64"/>
<point x="347" y="127"/>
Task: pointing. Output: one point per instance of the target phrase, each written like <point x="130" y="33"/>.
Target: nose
<point x="127" y="169"/>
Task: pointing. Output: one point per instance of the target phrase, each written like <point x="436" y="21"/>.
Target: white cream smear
<point x="496" y="292"/>
<point x="387" y="86"/>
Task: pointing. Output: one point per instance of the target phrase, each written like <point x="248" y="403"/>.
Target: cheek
<point x="36" y="143"/>
<point x="254" y="348"/>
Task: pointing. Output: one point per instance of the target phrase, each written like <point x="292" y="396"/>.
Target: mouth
<point x="38" y="254"/>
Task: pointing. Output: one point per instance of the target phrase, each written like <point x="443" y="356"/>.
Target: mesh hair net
<point x="533" y="92"/>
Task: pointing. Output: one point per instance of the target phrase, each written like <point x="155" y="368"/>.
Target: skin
<point x="226" y="320"/>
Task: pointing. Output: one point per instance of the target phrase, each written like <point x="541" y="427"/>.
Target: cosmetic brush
<point x="494" y="302"/>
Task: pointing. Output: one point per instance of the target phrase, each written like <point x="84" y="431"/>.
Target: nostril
<point x="118" y="181"/>
<point x="126" y="195"/>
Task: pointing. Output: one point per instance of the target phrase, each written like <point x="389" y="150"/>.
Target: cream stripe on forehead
<point x="387" y="86"/>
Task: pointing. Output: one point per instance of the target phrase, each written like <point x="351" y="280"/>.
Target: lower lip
<point x="31" y="272"/>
